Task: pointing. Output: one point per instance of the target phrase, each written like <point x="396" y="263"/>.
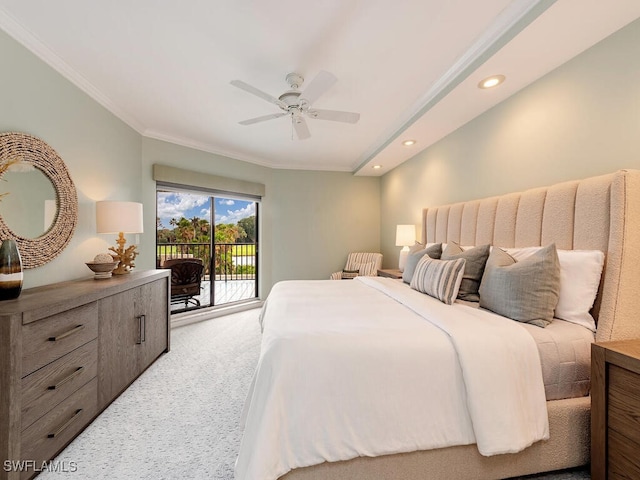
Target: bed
<point x="600" y="213"/>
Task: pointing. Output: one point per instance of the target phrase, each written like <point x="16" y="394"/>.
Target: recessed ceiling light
<point x="408" y="143"/>
<point x="492" y="81"/>
<point x="377" y="167"/>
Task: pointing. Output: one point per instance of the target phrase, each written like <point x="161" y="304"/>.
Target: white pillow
<point x="580" y="272"/>
<point x="520" y="253"/>
<point x="463" y="247"/>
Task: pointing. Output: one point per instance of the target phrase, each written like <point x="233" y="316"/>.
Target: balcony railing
<point x="231" y="261"/>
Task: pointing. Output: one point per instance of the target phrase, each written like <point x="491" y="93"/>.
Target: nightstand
<point x="390" y="273"/>
<point x="615" y="410"/>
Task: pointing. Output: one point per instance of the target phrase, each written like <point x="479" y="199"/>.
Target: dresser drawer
<point x="47" y="387"/>
<point x="623" y="414"/>
<point x="48" y="435"/>
<point x="47" y="340"/>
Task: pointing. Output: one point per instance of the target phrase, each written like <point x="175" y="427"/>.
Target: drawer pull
<point x="73" y="374"/>
<point x="142" y="326"/>
<point x="75" y="329"/>
<point x="66" y="425"/>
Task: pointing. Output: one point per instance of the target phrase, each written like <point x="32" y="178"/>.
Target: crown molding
<point x="32" y="43"/>
<point x="509" y="23"/>
<point x="234" y="155"/>
<point x="204" y="147"/>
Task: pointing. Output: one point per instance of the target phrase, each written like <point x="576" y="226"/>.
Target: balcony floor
<point x="226" y="291"/>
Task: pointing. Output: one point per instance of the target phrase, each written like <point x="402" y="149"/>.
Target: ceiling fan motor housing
<point x="291" y="98"/>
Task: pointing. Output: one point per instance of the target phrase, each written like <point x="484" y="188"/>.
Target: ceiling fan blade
<point x="301" y="128"/>
<point x="334" y="115"/>
<point x="320" y="84"/>
<point x="251" y="121"/>
<point x="258" y="93"/>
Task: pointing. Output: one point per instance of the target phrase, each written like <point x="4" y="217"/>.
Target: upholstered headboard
<point x="596" y="213"/>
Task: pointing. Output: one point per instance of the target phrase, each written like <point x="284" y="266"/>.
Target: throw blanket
<point x="369" y="367"/>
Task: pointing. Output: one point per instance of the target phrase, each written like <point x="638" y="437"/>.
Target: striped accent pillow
<point x="438" y="278"/>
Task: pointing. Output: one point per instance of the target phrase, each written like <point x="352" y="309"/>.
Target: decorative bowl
<point x="101" y="270"/>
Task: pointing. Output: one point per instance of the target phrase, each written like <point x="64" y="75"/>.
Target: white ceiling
<point x="409" y="67"/>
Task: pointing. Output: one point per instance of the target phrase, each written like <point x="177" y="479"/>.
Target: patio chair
<point x="359" y="263"/>
<point x="186" y="278"/>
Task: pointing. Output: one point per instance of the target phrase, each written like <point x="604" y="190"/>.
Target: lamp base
<point x="125" y="256"/>
<point x="404" y="253"/>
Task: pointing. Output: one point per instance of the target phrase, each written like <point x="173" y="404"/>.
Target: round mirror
<point x="29" y="207"/>
<point x="38" y="200"/>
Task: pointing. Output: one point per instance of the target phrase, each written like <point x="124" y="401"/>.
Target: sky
<point x="189" y="205"/>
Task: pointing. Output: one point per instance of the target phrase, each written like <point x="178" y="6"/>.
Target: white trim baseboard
<point x="187" y="318"/>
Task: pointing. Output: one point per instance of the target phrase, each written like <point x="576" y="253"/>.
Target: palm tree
<point x="185" y="231"/>
<point x="195" y="221"/>
<point x="173" y="237"/>
<point x="205" y="228"/>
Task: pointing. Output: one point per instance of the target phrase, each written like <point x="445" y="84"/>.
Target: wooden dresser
<point x="67" y="350"/>
<point x="615" y="410"/>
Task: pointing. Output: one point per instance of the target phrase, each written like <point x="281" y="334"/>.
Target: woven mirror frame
<point x="28" y="149"/>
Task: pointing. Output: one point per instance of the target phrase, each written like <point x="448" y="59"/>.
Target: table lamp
<point x="120" y="218"/>
<point x="405" y="236"/>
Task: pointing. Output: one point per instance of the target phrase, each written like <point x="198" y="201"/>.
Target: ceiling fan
<point x="298" y="104"/>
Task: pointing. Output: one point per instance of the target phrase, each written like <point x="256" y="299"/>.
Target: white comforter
<point x="370" y="367"/>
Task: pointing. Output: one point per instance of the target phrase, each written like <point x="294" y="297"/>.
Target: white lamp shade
<point x="405" y="235"/>
<point x="116" y="217"/>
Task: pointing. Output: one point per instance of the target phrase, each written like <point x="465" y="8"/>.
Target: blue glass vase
<point x="10" y="270"/>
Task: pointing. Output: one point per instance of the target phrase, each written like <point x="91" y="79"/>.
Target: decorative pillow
<point x="475" y="257"/>
<point x="580" y="272"/>
<point x="522" y="253"/>
<point x="434" y="251"/>
<point x="438" y="278"/>
<point x="416" y="247"/>
<point x="526" y="291"/>
<point x="349" y="274"/>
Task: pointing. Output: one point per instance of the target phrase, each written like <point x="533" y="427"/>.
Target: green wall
<point x="101" y="152"/>
<point x="309" y="220"/>
<point x="580" y="120"/>
<point x="318" y="218"/>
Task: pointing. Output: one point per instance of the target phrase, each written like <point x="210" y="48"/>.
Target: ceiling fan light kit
<point x="297" y="104"/>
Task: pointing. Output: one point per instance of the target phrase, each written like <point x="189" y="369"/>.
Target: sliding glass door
<point x="210" y="242"/>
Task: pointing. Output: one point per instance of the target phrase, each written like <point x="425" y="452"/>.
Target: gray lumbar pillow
<point x="526" y="291"/>
<point x="434" y="251"/>
<point x="475" y="259"/>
